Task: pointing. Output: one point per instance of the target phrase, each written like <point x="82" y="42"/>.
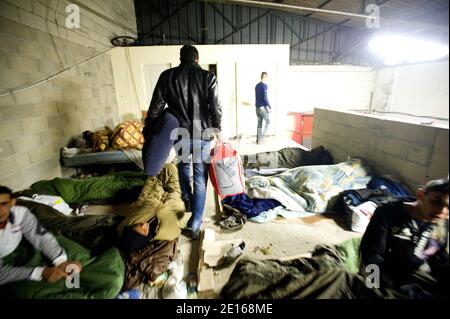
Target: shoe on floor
<point x="231" y="255"/>
<point x="190" y="233"/>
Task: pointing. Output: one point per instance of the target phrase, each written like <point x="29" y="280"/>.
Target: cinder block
<point x="71" y="94"/>
<point x="438" y="168"/>
<point x="7" y="165"/>
<point x="406" y="168"/>
<point x="10" y="130"/>
<point x="53" y="4"/>
<point x="412" y="184"/>
<point x="32" y="20"/>
<point x="42" y="152"/>
<point x="61" y="82"/>
<point x="362" y="137"/>
<point x="357" y="122"/>
<point x="51" y="94"/>
<point x="46" y="108"/>
<point x="9" y="11"/>
<point x="412" y="132"/>
<point x="58" y="120"/>
<point x="40" y="9"/>
<point x="9" y="44"/>
<point x="420" y="153"/>
<point x="12" y="79"/>
<point x="75" y="117"/>
<point x="393" y="147"/>
<point x="22" y="160"/>
<point x="26" y="143"/>
<point x="42" y="37"/>
<point x="48" y="67"/>
<point x="3" y="61"/>
<point x="414" y="171"/>
<point x="6" y="100"/>
<point x="13" y="181"/>
<point x="23" y="64"/>
<point x="28" y="96"/>
<point x="378" y="128"/>
<point x="33" y="50"/>
<point x="74" y="129"/>
<point x="86" y="94"/>
<point x="52" y="55"/>
<point x="45" y="169"/>
<point x="65" y="106"/>
<point x="75" y="37"/>
<point x="13" y="29"/>
<point x="18" y="112"/>
<point x="24" y="4"/>
<point x="5" y="149"/>
<point x="52" y="28"/>
<point x="62" y="31"/>
<point x="326" y="125"/>
<point x="51" y="135"/>
<point x="58" y="144"/>
<point x="439" y="164"/>
<point x="34" y="125"/>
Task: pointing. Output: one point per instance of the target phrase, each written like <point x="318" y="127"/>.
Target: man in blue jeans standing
<point x="192" y="98"/>
<point x="263" y="108"/>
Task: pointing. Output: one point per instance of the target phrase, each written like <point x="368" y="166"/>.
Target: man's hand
<point x="53" y="274"/>
<point x="268" y="109"/>
<point x="218" y="136"/>
<point x="69" y="266"/>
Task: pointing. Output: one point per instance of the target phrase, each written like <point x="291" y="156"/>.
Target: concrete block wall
<point x="412" y="152"/>
<point x="36" y="44"/>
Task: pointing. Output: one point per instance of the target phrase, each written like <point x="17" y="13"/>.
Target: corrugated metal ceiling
<point x="421" y="13"/>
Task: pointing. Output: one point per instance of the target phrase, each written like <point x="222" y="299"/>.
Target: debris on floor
<point x="265" y="250"/>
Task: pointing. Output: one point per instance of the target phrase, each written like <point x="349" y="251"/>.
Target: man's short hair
<point x="437" y="185"/>
<point x="5" y="190"/>
<point x="188" y="53"/>
<point x="262" y="74"/>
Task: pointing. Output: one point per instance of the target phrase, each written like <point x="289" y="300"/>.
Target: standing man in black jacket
<point x="191" y="96"/>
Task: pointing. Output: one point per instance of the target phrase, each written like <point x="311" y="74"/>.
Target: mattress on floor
<point x="106" y="157"/>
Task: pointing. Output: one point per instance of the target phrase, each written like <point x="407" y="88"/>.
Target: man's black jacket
<point x="192" y="97"/>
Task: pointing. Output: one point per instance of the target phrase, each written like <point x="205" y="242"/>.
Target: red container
<point x="300" y="127"/>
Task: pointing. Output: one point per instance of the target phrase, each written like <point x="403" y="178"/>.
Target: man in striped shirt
<point x="19" y="227"/>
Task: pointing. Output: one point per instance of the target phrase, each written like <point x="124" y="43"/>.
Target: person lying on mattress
<point x="34" y="263"/>
<point x="408" y="243"/>
<point x="156" y="213"/>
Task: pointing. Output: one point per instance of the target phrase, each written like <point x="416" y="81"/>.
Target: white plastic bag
<point x="55" y="202"/>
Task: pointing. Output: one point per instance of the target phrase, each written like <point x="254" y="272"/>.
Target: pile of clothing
<point x="359" y="205"/>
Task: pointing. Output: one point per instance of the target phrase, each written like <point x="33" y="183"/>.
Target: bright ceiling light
<point x="396" y="49"/>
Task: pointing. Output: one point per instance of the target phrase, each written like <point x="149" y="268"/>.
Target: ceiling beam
<point x="279" y="6"/>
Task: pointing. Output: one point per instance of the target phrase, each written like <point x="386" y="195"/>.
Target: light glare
<point x="394" y="49"/>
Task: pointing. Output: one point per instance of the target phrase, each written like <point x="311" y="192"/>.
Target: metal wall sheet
<point x="168" y="22"/>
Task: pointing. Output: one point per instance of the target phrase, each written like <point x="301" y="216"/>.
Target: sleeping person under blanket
<point x="156" y="214"/>
<point x="36" y="264"/>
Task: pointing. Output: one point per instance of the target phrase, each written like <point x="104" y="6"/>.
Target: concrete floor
<point x="280" y="238"/>
<point x="284" y="237"/>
